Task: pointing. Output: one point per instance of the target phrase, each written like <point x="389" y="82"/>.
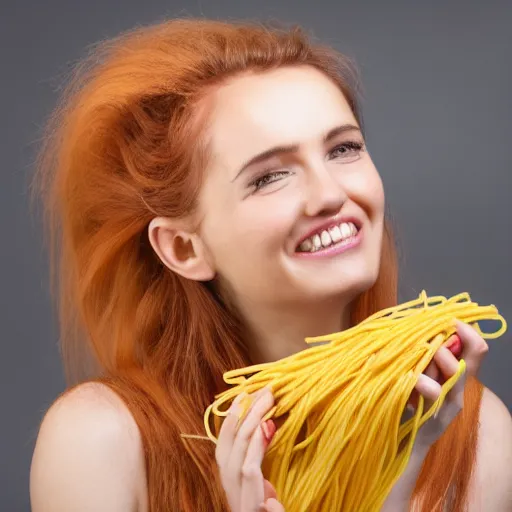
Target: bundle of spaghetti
<point x="344" y="441"/>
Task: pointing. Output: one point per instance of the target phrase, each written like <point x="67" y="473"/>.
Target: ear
<point x="180" y="249"/>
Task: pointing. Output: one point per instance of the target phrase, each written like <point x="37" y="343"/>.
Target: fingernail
<point x="266" y="431"/>
<point x="455" y="347"/>
<point x="269" y="429"/>
<point x="454" y="338"/>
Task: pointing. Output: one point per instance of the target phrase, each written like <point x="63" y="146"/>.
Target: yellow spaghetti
<point x="343" y="445"/>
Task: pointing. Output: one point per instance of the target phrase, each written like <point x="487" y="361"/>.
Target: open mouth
<point x="337" y="235"/>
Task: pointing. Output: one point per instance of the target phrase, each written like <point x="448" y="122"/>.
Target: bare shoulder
<point x="88" y="455"/>
<point x="493" y="473"/>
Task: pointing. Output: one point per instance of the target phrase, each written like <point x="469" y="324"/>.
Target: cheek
<point x="263" y="224"/>
<point x="245" y="235"/>
<point x="366" y="189"/>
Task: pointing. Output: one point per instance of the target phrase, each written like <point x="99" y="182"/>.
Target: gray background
<point x="438" y="113"/>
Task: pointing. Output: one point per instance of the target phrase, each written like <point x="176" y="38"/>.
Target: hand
<point x="472" y="348"/>
<point x="239" y="454"/>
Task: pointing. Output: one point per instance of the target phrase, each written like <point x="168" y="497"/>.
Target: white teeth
<point x="326" y="238"/>
<point x="335" y="234"/>
<point x="306" y="246"/>
<point x="345" y="230"/>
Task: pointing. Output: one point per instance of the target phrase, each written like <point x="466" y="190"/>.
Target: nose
<point x="324" y="194"/>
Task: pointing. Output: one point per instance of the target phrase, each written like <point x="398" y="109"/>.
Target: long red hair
<point x="126" y="145"/>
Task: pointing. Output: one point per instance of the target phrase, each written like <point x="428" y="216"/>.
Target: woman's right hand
<point x="239" y="455"/>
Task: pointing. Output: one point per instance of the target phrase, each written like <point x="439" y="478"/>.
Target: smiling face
<point x="292" y="206"/>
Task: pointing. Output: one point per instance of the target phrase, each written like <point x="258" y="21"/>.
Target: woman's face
<point x="292" y="206"/>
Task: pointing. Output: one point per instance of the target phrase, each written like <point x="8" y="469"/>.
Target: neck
<point x="275" y="333"/>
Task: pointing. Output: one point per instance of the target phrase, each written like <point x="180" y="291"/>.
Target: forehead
<point x="254" y="112"/>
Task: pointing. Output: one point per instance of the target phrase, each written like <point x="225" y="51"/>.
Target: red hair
<point x="127" y="145"/>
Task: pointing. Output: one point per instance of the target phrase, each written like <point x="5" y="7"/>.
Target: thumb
<point x="272" y="505"/>
<point x="474" y="347"/>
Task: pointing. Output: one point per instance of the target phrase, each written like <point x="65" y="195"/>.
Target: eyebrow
<point x="293" y="148"/>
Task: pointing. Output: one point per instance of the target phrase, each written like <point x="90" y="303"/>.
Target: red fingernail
<point x="455" y="346"/>
<point x="269" y="429"/>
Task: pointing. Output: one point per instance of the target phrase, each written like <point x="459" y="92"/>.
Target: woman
<point x="214" y="204"/>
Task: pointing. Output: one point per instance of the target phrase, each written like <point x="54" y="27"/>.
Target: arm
<point x="88" y="455"/>
<point x="398" y="499"/>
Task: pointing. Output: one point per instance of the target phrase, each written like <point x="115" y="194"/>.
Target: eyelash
<point x="263" y="180"/>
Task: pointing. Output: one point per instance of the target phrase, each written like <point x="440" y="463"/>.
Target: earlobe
<point x="180" y="249"/>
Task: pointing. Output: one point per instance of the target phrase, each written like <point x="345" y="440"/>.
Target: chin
<point x="346" y="286"/>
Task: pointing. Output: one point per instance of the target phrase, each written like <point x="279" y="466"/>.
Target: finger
<point x="252" y="484"/>
<point x="272" y="505"/>
<point x="446" y="363"/>
<point x="424" y="388"/>
<point x="474" y="347"/>
<point x="259" y="408"/>
<point x="230" y="475"/>
<point x="269" y="491"/>
<point x="432" y="371"/>
<point x="454" y="344"/>
<point x="449" y="366"/>
<point x="427" y="387"/>
<point x="227" y="432"/>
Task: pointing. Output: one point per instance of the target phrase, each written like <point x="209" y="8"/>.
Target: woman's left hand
<point x="442" y="367"/>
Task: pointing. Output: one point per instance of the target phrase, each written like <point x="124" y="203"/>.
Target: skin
<point x="246" y="238"/>
<point x="89" y="455"/>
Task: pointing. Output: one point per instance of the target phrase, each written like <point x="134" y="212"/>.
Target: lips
<point x="328" y="235"/>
